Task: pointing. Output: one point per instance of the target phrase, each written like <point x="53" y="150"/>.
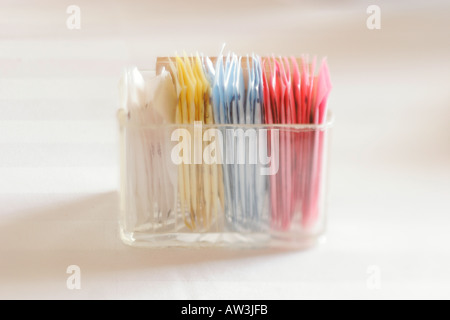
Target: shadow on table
<point x="41" y="243"/>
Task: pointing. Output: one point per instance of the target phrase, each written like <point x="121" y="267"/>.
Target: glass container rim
<point x="124" y="122"/>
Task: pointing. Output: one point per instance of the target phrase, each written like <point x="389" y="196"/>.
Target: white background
<point x="390" y="171"/>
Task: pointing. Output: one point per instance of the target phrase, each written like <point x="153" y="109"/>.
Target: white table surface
<point x="390" y="162"/>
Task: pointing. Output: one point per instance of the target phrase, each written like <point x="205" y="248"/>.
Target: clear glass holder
<point x="195" y="185"/>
